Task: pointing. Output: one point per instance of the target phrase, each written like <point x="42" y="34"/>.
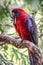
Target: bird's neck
<point x="22" y="16"/>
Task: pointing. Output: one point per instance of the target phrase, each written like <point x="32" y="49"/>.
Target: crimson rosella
<point x="25" y="27"/>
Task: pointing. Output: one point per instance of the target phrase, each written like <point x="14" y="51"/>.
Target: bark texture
<point x="23" y="44"/>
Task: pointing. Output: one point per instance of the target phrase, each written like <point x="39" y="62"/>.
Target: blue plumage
<point x="32" y="29"/>
<point x="26" y="28"/>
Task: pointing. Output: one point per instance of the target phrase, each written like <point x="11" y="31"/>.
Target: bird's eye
<point x="17" y="13"/>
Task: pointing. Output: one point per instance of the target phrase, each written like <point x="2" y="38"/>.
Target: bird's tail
<point x="32" y="62"/>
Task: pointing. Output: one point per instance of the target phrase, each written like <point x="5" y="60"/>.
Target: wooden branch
<point x="24" y="44"/>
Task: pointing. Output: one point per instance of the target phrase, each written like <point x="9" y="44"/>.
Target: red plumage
<point x="21" y="26"/>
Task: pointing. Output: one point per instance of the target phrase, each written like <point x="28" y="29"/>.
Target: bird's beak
<point x="13" y="18"/>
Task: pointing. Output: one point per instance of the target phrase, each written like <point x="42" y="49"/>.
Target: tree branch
<point x="24" y="44"/>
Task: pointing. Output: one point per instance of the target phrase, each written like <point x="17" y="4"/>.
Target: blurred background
<point x="10" y="55"/>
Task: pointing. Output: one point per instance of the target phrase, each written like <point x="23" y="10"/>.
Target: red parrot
<point x="25" y="27"/>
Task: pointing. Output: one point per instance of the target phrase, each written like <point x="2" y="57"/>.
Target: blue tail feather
<point x="31" y="59"/>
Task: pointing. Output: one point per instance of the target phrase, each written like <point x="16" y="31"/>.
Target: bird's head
<point x="17" y="12"/>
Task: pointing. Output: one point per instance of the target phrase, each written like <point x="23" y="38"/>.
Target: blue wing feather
<point x="31" y="27"/>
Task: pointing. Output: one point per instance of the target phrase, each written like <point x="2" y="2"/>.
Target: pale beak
<point x="13" y="18"/>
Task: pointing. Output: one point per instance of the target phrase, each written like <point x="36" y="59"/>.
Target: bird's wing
<point x="31" y="26"/>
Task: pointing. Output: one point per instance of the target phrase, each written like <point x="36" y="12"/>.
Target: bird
<point x="26" y="28"/>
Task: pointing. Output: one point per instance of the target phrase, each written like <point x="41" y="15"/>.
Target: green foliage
<point x="10" y="55"/>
